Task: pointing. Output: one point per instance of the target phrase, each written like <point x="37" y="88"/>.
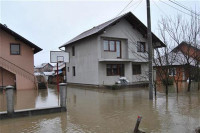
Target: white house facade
<point x="117" y="48"/>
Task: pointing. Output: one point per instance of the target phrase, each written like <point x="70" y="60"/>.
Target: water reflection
<point x="47" y="98"/>
<point x="102" y="111"/>
<point x="182" y="87"/>
<point x="2" y="101"/>
<point x="27" y="99"/>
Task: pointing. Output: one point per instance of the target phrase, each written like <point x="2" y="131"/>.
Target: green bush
<point x="170" y="81"/>
<point x="114" y="87"/>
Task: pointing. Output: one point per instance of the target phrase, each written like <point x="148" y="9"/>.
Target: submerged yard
<point x="91" y="110"/>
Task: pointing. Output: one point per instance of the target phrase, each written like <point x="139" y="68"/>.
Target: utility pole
<point x="149" y="40"/>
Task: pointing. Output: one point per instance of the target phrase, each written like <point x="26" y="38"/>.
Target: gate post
<point x="10" y="99"/>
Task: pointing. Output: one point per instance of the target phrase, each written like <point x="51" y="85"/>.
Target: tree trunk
<point x="166" y="89"/>
<point x="177" y="87"/>
<point x="155" y="88"/>
<point x="189" y="85"/>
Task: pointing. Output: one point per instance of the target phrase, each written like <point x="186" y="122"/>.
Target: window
<point x="68" y="69"/>
<point x="73" y="50"/>
<point x="118" y="49"/>
<point x="136" y="69"/>
<point x="15" y="49"/>
<point x="74" y="71"/>
<point x="115" y="69"/>
<point x="105" y="45"/>
<point x="110" y="45"/>
<point x="141" y="47"/>
<point x="172" y="71"/>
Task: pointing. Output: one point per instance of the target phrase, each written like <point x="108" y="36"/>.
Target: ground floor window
<point x="136" y="69"/>
<point x="172" y="71"/>
<point x="115" y="69"/>
<point x="74" y="71"/>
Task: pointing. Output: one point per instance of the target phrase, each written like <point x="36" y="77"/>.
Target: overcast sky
<point x="49" y="24"/>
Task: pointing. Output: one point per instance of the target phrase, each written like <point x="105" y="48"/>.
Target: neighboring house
<point x="116" y="48"/>
<point x="61" y="68"/>
<point x="52" y="79"/>
<point x="189" y="50"/>
<point x="44" y="67"/>
<point x="178" y="68"/>
<point x="16" y="60"/>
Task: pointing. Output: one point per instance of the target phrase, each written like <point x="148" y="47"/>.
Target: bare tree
<point x="164" y="58"/>
<point x="173" y="32"/>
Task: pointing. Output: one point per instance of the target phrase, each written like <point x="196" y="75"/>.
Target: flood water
<point x="92" y="110"/>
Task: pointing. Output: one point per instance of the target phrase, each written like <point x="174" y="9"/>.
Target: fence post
<point x="136" y="130"/>
<point x="10" y="99"/>
<point x="63" y="96"/>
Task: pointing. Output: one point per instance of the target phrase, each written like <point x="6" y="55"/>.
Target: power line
<point x="138" y="3"/>
<point x="159" y="8"/>
<point x="177" y="9"/>
<point x="178" y="4"/>
<point x="124" y="8"/>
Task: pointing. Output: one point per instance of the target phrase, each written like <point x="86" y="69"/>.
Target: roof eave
<point x="154" y="37"/>
<point x="19" y="37"/>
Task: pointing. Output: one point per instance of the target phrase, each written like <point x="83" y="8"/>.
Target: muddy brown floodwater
<point x="91" y="110"/>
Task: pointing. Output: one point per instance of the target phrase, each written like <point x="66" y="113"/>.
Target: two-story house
<point x="16" y="60"/>
<point x="116" y="48"/>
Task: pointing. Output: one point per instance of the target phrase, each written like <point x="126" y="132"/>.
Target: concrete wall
<point x="113" y="55"/>
<point x="128" y="36"/>
<point x="25" y="60"/>
<point x="88" y="51"/>
<point x="85" y="61"/>
<point x="144" y="73"/>
<point x="6" y="78"/>
<point x="110" y="80"/>
<point x="123" y="30"/>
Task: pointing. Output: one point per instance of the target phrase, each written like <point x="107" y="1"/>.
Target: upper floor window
<point x="136" y="69"/>
<point x="110" y="45"/>
<point x="73" y="50"/>
<point x="105" y="45"/>
<point x="141" y="47"/>
<point x="14" y="49"/>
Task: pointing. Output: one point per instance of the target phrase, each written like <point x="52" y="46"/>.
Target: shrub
<point x="114" y="87"/>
